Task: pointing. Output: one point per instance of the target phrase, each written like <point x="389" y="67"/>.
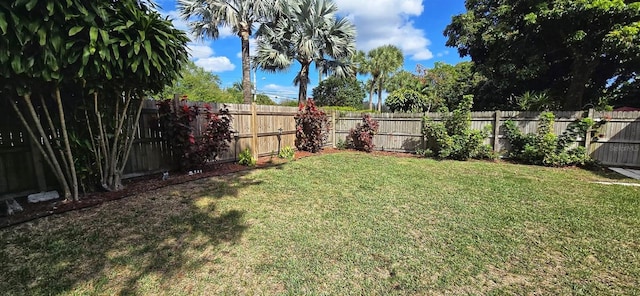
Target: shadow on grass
<point x="605" y="173"/>
<point x="138" y="245"/>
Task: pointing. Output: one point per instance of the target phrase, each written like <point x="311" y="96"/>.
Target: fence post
<point x="254" y="130"/>
<point x="333" y="128"/>
<point x="587" y="137"/>
<point x="496" y="131"/>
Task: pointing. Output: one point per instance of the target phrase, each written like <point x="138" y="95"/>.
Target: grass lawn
<point x="344" y="223"/>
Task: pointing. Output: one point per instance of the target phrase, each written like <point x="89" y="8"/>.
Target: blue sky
<point x="414" y="26"/>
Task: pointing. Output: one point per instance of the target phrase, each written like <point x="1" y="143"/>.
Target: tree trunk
<point x="65" y="138"/>
<point x="104" y="148"/>
<point x="130" y="139"/>
<point x="47" y="151"/>
<point x="373" y="86"/>
<point x="303" y="83"/>
<point x="380" y="94"/>
<point x="581" y="73"/>
<point x="246" y="63"/>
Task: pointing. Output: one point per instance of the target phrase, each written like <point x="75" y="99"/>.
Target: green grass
<point x="345" y="223"/>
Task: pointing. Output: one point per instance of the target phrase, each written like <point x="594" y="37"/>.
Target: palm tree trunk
<point x="246" y="63"/>
<point x="373" y="86"/>
<point x="379" y="95"/>
<point x="304" y="82"/>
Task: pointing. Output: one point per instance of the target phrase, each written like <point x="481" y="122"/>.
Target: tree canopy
<point x="207" y="16"/>
<point x="408" y="100"/>
<point x="196" y="83"/>
<point x="448" y="84"/>
<point x="335" y="91"/>
<point x="380" y="63"/>
<point x="306" y="31"/>
<point x="54" y="54"/>
<point x="576" y="51"/>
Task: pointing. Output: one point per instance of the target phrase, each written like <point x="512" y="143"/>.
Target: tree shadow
<point x="616" y="143"/>
<point x="412" y="144"/>
<point x="125" y="246"/>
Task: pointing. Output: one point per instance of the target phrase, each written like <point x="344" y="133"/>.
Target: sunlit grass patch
<point x="346" y="223"/>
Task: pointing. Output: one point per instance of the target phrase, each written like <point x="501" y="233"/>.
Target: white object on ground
<point x="13" y="206"/>
<point x="43" y="196"/>
<point x="634" y="174"/>
<point x="618" y="183"/>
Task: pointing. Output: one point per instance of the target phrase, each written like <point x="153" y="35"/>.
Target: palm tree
<point x="307" y="31"/>
<point x="382" y="61"/>
<point x="239" y="15"/>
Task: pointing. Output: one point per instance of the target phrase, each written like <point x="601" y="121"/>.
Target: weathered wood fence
<point x="615" y="143"/>
<point x="257" y="127"/>
<point x="264" y="129"/>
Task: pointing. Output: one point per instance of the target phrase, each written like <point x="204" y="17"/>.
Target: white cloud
<point x="200" y="48"/>
<point x="381" y="22"/>
<point x="443" y="53"/>
<point x="215" y="64"/>
<point x="200" y="51"/>
<point x="278" y="92"/>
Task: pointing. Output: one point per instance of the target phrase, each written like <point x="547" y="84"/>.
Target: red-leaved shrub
<point x="312" y="127"/>
<point x="177" y="126"/>
<point x="361" y="137"/>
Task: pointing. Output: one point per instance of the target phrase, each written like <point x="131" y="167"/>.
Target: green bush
<point x="453" y="138"/>
<point x="287" y="152"/>
<point x="546" y="148"/>
<point x="246" y="158"/>
<point x="342" y="144"/>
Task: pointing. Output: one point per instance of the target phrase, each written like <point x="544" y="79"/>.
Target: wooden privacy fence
<point x="257" y="127"/>
<point x="264" y="129"/>
<point x="615" y="143"/>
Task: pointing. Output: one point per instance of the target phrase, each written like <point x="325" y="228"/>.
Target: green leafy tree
<point x="234" y="95"/>
<point x="239" y="15"/>
<point x="335" y="91"/>
<point x="577" y="50"/>
<point x="139" y="52"/>
<point x="405" y="80"/>
<point x="307" y="31"/>
<point x="407" y="100"/>
<point x="196" y="83"/>
<point x="57" y="52"/>
<point x="262" y="99"/>
<point x="449" y="83"/>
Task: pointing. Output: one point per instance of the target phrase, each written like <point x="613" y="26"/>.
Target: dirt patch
<point x="139" y="185"/>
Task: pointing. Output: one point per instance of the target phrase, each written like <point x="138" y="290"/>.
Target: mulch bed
<point x="135" y="186"/>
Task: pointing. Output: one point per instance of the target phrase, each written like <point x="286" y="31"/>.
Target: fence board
<point x="615" y="143"/>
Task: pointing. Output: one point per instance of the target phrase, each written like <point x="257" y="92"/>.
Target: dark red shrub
<point x="177" y="125"/>
<point x="361" y="137"/>
<point x="217" y="136"/>
<point x="312" y="127"/>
